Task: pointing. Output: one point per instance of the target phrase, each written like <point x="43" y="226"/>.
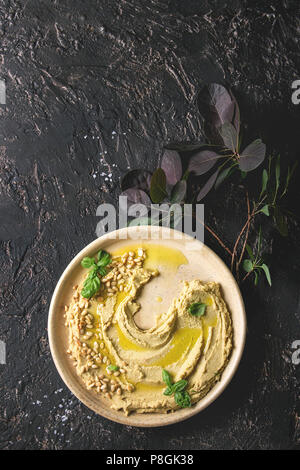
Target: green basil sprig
<point x="97" y="269"/>
<point x="197" y="309"/>
<point x="113" y="368"/>
<point x="181" y="396"/>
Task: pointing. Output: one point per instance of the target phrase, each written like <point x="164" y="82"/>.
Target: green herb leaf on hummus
<point x="179" y="386"/>
<point x="104" y="258"/>
<point x="92" y="283"/>
<point x="183" y="399"/>
<point x="112" y="367"/>
<point x="168" y="391"/>
<point x="167" y="378"/>
<point x="197" y="309"/>
<point x="181" y="396"/>
<point x="87" y="262"/>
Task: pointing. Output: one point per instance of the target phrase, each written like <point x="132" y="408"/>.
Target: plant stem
<point x="245" y="277"/>
<point x="246" y="236"/>
<point x="214" y="235"/>
<point x="217" y="238"/>
<point x="239" y="237"/>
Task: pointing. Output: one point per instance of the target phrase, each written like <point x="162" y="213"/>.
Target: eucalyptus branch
<point x="246" y="236"/>
<point x="223" y="154"/>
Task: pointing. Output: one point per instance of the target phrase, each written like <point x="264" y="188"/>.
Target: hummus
<point x="124" y="363"/>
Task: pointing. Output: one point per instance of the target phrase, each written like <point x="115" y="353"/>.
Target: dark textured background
<point x="94" y="88"/>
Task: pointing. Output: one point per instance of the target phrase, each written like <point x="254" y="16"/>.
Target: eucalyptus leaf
<point x="264" y="181"/>
<point x="139" y="179"/>
<point x="187" y="147"/>
<point x="265" y="210"/>
<point x="223" y="175"/>
<point x="247" y="265"/>
<point x="208" y="185"/>
<point x="136" y="196"/>
<point x="250" y="252"/>
<point x="216" y="104"/>
<point x="252" y="156"/>
<point x="203" y="161"/>
<point x="178" y="192"/>
<point x="267" y="273"/>
<point x="171" y="164"/>
<point x="229" y="136"/>
<point x="158" y="186"/>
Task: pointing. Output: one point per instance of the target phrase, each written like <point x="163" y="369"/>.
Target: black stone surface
<point x="95" y="88"/>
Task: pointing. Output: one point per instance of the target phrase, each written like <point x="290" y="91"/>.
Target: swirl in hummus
<point x="124" y="363"/>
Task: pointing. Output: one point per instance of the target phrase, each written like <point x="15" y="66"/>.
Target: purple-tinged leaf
<point x="171" y="164"/>
<point x="139" y="179"/>
<point x="203" y="161"/>
<point x="229" y="136"/>
<point x="216" y="104"/>
<point x="136" y="196"/>
<point x="252" y="156"/>
<point x="187" y="147"/>
<point x="178" y="192"/>
<point x="158" y="186"/>
<point x="208" y="185"/>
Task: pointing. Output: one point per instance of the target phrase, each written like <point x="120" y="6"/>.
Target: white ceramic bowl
<point x="204" y="264"/>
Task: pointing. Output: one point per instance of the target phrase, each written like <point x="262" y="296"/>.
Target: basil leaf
<point x="183" y="399"/>
<point x="167" y="378"/>
<point x="197" y="309"/>
<point x="92" y="283"/>
<point x="102" y="271"/>
<point x="112" y="367"/>
<point x="104" y="258"/>
<point x="158" y="186"/>
<point x="168" y="391"/>
<point x="96" y="283"/>
<point x="86" y="292"/>
<point x="87" y="262"/>
<point x="93" y="272"/>
<point x="179" y="386"/>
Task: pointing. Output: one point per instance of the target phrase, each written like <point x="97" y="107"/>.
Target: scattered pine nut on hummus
<point x="170" y="365"/>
